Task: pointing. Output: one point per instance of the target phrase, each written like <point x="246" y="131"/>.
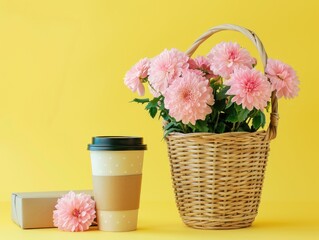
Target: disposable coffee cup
<point x="117" y="163"/>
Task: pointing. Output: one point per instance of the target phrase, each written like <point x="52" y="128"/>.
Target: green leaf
<point x="212" y="117"/>
<point x="244" y="127"/>
<point x="253" y="113"/>
<point x="231" y="114"/>
<point x="161" y="105"/>
<point x="171" y="130"/>
<point x="259" y="120"/>
<point x="201" y="126"/>
<point x="238" y="107"/>
<point x="222" y="93"/>
<point x="153" y="111"/>
<point x="220" y="127"/>
<point x="152" y="103"/>
<point x="229" y="103"/>
<point x="242" y="114"/>
<point x="140" y="100"/>
<point x="263" y="119"/>
<point x="169" y="125"/>
<point x="215" y="84"/>
<point x="220" y="105"/>
<point x="164" y="115"/>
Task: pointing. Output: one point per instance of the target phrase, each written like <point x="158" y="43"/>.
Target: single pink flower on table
<point x="165" y="68"/>
<point x="189" y="98"/>
<point x="249" y="88"/>
<point x="203" y="64"/>
<point x="225" y="57"/>
<point x="283" y="78"/>
<point x="135" y="76"/>
<point x="74" y="212"/>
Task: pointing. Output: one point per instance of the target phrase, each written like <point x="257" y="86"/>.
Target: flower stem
<point x="216" y="123"/>
<point x="238" y="125"/>
<point x="184" y="128"/>
<point x="233" y="128"/>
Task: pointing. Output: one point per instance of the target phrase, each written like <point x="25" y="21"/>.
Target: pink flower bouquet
<point x="222" y="92"/>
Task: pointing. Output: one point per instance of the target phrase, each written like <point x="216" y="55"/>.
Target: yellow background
<point x="62" y="64"/>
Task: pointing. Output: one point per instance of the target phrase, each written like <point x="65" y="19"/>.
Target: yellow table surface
<point x="160" y="220"/>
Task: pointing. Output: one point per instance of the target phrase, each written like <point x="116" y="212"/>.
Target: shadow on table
<point x="257" y="225"/>
<point x="293" y="225"/>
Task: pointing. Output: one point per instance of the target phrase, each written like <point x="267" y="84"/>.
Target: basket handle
<point x="274" y="117"/>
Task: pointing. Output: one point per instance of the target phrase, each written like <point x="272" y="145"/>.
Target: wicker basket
<point x="218" y="178"/>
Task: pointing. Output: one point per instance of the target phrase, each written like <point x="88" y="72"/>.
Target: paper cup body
<point x="117" y="177"/>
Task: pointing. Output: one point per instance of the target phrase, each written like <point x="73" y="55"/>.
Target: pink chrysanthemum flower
<point x="189" y="97"/>
<point x="165" y="68"/>
<point x="74" y="212"/>
<point x="283" y="78"/>
<point x="135" y="76"/>
<point x="225" y="57"/>
<point x="203" y="64"/>
<point x="249" y="88"/>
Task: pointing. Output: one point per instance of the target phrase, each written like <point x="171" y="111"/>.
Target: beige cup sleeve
<point x="117" y="193"/>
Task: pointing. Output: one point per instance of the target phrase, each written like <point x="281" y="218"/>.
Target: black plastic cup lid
<point x="116" y="143"/>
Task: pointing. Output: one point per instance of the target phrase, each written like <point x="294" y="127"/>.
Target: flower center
<point x="250" y="86"/>
<point x="75" y="213"/>
<point x="186" y="95"/>
<point x="232" y="56"/>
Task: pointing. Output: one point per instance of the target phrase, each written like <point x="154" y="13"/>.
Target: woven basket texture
<point x="218" y="178"/>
